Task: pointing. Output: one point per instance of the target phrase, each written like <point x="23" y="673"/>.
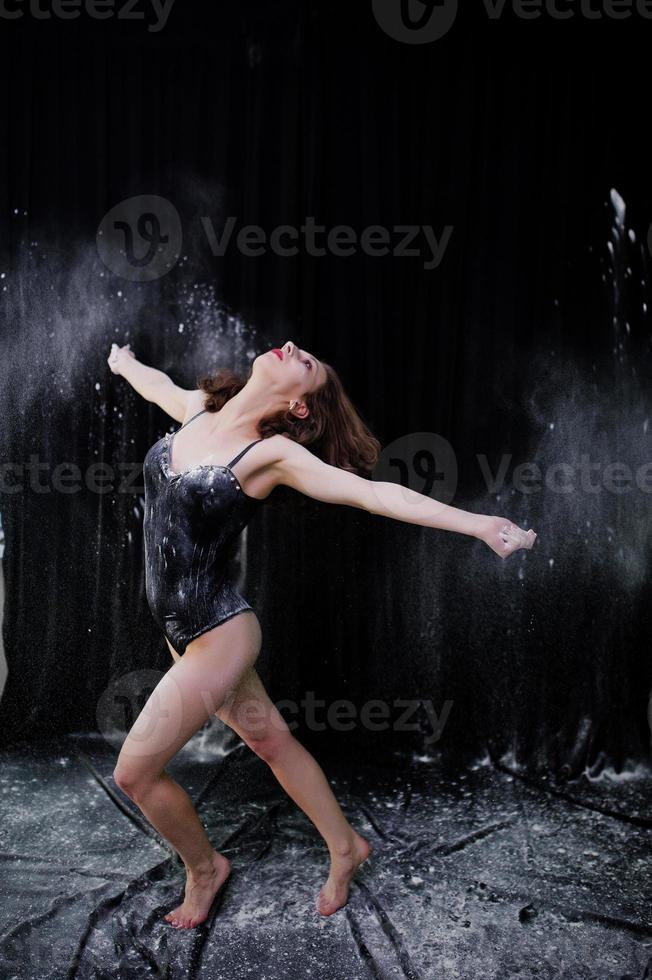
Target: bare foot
<point x="505" y="538"/>
<point x="201" y="888"/>
<point x="335" y="892"/>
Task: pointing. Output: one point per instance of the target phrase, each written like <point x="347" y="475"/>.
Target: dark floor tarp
<point x="476" y="871"/>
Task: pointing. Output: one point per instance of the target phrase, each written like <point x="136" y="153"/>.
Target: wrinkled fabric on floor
<point x="476" y="871"/>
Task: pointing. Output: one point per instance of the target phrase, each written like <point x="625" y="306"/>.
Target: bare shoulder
<point x="278" y="448"/>
<point x="295" y="466"/>
<point x="284" y="450"/>
<point x="278" y="455"/>
<point x="196" y="399"/>
<point x="177" y="402"/>
<point x="265" y="465"/>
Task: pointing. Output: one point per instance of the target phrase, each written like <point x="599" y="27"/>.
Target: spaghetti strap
<point x="241" y="454"/>
<point x="191" y="419"/>
<point x="171" y="438"/>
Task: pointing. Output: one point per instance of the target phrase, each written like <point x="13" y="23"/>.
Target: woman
<point x="195" y="507"/>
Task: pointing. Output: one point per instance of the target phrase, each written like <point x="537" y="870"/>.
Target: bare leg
<point x="184" y="699"/>
<point x="259" y="723"/>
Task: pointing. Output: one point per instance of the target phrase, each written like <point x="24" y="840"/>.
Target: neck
<point x="252" y="403"/>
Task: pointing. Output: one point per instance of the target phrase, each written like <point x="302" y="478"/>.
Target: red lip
<point x="278" y="352"/>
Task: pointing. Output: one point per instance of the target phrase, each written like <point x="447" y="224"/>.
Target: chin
<point x="265" y="363"/>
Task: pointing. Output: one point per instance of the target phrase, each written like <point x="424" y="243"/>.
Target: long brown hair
<point x="333" y="429"/>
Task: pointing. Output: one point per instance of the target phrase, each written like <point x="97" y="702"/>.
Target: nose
<point x="291" y="348"/>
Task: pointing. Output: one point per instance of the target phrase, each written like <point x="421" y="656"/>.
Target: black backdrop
<point x="531" y="338"/>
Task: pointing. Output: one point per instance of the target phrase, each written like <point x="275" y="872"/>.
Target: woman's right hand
<point x="118" y="356"/>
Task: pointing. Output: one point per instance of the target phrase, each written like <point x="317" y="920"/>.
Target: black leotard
<point x="192" y="520"/>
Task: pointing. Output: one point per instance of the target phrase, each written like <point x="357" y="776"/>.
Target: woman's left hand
<point x="505" y="538"/>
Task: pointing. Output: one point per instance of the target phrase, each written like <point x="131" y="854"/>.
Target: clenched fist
<point x="118" y="355"/>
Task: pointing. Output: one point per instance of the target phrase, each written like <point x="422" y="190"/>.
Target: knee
<point x="132" y="782"/>
<point x="270" y="746"/>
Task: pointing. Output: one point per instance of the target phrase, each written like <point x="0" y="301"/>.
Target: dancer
<point x="196" y="505"/>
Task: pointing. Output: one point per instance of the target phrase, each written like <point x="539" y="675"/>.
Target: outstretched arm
<point x="300" y="469"/>
<point x="154" y="385"/>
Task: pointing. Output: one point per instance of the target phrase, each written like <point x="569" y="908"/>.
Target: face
<point x="293" y="372"/>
